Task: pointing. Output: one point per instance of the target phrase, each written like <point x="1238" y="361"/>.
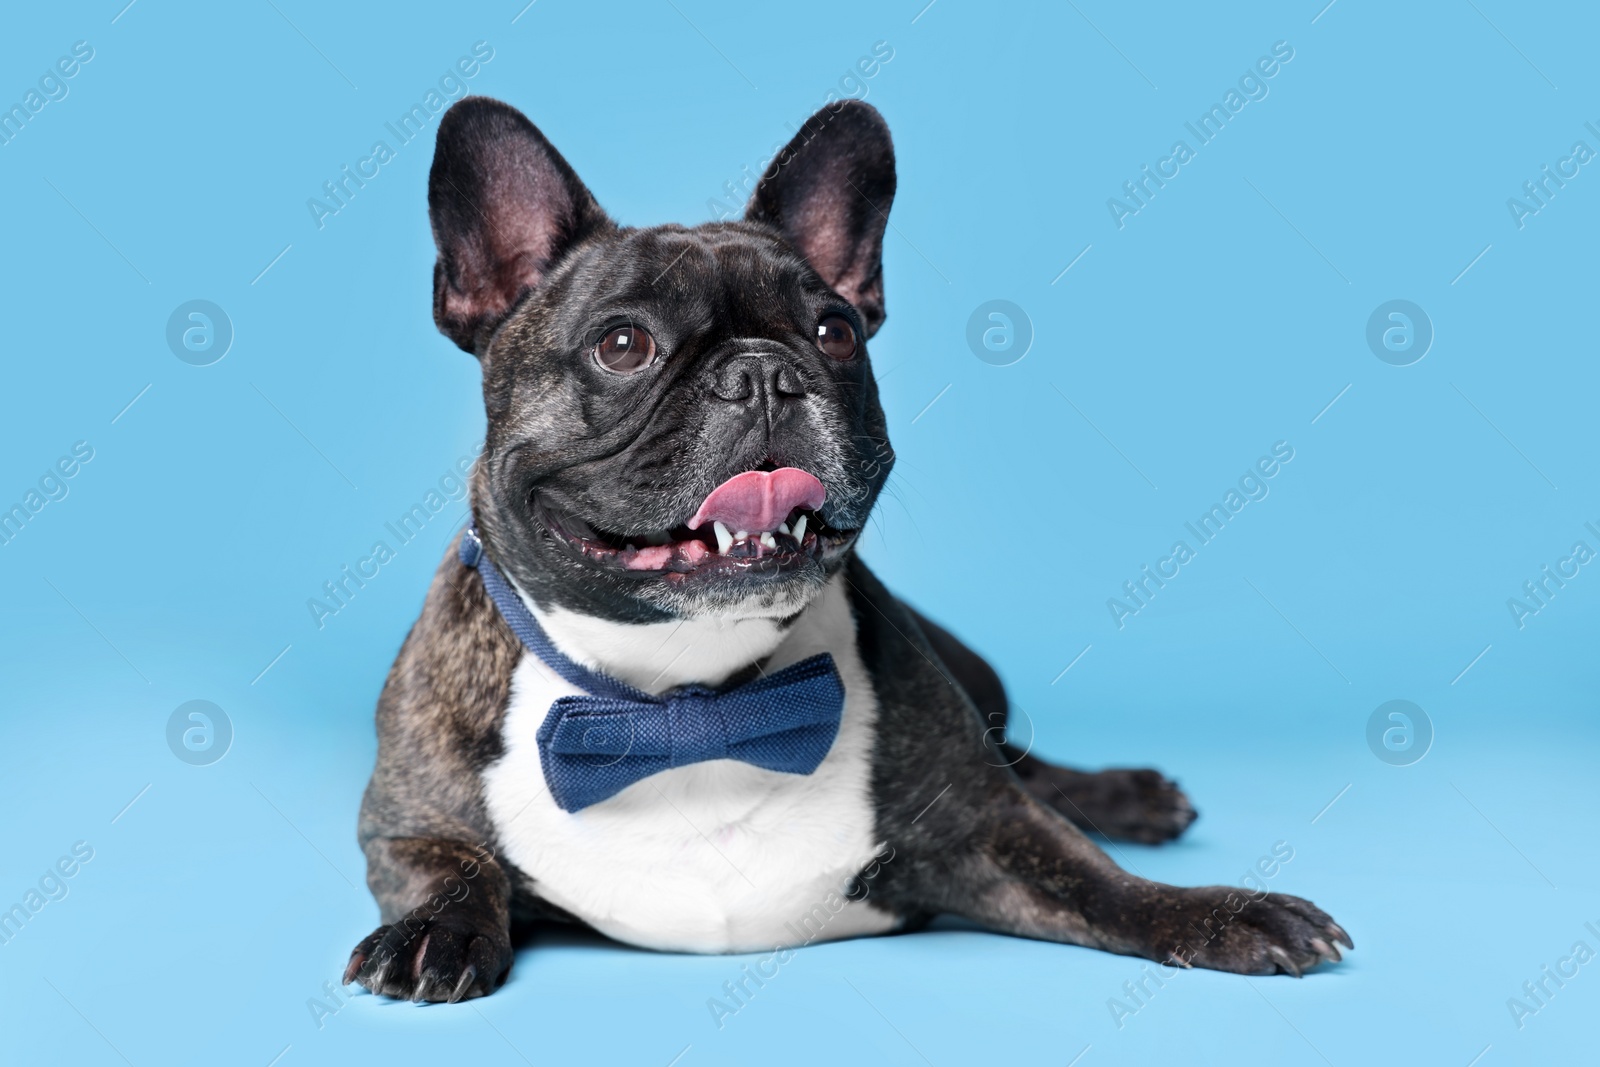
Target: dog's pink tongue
<point x="757" y="501"/>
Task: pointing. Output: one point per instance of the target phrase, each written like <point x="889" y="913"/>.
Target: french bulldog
<point x="653" y="689"/>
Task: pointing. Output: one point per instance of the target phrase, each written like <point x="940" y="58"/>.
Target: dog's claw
<point x="425" y="986"/>
<point x="1340" y="936"/>
<point x="1284" y="960"/>
<point x="463" y="984"/>
<point x="1325" y="950"/>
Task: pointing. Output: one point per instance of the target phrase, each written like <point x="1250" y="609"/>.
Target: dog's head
<point x="682" y="421"/>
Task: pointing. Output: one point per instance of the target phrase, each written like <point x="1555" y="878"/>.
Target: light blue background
<point x="1223" y="318"/>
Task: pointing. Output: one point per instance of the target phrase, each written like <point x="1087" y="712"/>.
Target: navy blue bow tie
<point x="593" y="747"/>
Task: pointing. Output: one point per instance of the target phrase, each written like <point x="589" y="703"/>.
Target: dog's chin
<point x="708" y="571"/>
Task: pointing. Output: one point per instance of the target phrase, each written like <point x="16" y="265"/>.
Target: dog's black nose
<point x="755" y="378"/>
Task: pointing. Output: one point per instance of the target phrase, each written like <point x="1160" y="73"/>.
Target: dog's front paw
<point x="432" y="960"/>
<point x="1227" y="929"/>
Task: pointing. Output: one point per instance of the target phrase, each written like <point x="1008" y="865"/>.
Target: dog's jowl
<point x="653" y="690"/>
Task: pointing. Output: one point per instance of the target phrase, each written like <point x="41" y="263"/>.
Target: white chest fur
<point x="719" y="856"/>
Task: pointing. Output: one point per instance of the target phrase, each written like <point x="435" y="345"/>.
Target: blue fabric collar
<point x="593" y="746"/>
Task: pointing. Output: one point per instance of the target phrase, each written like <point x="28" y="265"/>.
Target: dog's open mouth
<point x="755" y="522"/>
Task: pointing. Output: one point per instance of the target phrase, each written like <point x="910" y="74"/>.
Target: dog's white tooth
<point x="724" y="538"/>
<point x="783" y="527"/>
<point x="742" y="535"/>
<point x="766" y="539"/>
<point x="800" y="529"/>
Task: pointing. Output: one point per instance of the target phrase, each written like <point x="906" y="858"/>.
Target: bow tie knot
<point x="698" y="730"/>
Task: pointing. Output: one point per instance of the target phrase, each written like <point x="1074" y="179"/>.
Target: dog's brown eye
<point x="836" y="337"/>
<point x="625" y="349"/>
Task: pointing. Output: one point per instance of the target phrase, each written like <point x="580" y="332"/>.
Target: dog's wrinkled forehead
<point x="732" y="279"/>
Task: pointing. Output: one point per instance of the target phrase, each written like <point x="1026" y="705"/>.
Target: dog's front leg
<point x="446" y="932"/>
<point x="1028" y="871"/>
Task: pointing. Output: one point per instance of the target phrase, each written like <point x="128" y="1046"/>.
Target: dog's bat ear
<point x="829" y="192"/>
<point x="505" y="208"/>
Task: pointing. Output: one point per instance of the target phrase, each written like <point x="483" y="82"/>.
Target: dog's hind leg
<point x="970" y="840"/>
